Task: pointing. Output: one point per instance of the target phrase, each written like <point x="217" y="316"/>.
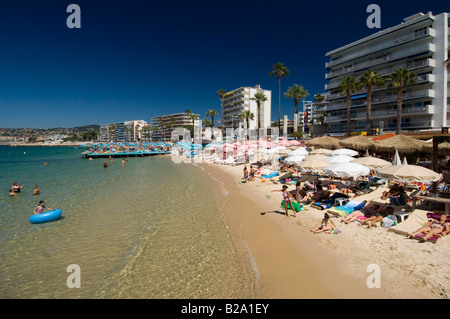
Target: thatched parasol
<point x="324" y="142"/>
<point x="359" y="143"/>
<point x="404" y="144"/>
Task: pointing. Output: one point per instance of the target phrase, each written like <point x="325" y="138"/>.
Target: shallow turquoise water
<point x="147" y="229"/>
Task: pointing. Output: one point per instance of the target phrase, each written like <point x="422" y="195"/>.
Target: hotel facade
<point x="420" y="44"/>
<point x="239" y="100"/>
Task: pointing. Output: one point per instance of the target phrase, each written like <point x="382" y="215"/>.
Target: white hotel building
<point x="239" y="100"/>
<point x="420" y="44"/>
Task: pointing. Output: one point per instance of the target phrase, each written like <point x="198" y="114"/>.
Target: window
<point x="421" y="32"/>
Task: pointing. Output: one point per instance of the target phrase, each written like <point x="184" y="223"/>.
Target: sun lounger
<point x="348" y="208"/>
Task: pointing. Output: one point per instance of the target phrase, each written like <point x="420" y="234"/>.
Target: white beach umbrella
<point x="372" y="162"/>
<point x="294" y="159"/>
<point x="313" y="165"/>
<point x="343" y="152"/>
<point x="396" y="160"/>
<point x="409" y="173"/>
<point x="347" y="170"/>
<point x="299" y="151"/>
<point x="339" y="159"/>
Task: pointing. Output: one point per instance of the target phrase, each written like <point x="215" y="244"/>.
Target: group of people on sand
<point x="371" y="214"/>
<point x="16" y="189"/>
<point x="249" y="175"/>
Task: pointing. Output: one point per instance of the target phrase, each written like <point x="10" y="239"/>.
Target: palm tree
<point x="348" y="86"/>
<point x="212" y="113"/>
<point x="221" y="94"/>
<point x="368" y="80"/>
<point x="400" y="79"/>
<point x="280" y="71"/>
<point x="259" y="98"/>
<point x="296" y="92"/>
<point x="247" y="115"/>
<point x="206" y="122"/>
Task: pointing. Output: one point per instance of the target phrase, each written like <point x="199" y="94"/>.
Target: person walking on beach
<point x="245" y="173"/>
<point x="252" y="173"/>
<point x="288" y="199"/>
<point x="324" y="225"/>
<point x="40" y="208"/>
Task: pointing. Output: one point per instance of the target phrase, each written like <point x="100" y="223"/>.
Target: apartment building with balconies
<point x="239" y="100"/>
<point x="419" y="44"/>
<point x="167" y="123"/>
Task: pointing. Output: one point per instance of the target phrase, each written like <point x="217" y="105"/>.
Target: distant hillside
<point x="22" y="132"/>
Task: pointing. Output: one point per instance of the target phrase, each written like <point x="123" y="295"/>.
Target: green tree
<point x="400" y="79"/>
<point x="247" y="115"/>
<point x="369" y="80"/>
<point x="259" y="98"/>
<point x="212" y="113"/>
<point x="348" y="86"/>
<point x="280" y="71"/>
<point x="296" y="92"/>
<point x="221" y="94"/>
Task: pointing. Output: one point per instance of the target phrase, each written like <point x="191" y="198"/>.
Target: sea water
<point x="148" y="228"/>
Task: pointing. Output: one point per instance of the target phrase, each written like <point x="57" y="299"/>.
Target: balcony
<point x="384" y="99"/>
<point x="388" y="58"/>
<point x="412" y="36"/>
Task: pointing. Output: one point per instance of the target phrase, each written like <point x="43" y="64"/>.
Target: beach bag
<point x="389" y="221"/>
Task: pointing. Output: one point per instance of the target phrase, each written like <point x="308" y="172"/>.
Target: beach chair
<point x="346" y="209"/>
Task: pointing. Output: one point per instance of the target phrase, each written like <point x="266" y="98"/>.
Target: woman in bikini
<point x="288" y="199"/>
<point x="16" y="188"/>
<point x="433" y="227"/>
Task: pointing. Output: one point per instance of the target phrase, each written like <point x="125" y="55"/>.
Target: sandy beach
<point x="292" y="262"/>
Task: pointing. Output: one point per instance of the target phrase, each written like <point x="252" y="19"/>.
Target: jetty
<point x="114" y="150"/>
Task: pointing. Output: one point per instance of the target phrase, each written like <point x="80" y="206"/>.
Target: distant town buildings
<point x="128" y="131"/>
<point x="420" y="44"/>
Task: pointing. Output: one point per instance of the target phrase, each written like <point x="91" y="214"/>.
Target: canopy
<point x="344" y="152"/>
<point x="372" y="162"/>
<point x="294" y="159"/>
<point x="339" y="159"/>
<point x="359" y="142"/>
<point x="409" y="173"/>
<point x="313" y="165"/>
<point x="401" y="143"/>
<point x="324" y="142"/>
<point x="320" y="151"/>
<point x="347" y="170"/>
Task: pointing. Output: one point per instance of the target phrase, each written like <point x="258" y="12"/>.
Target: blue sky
<point x="138" y="59"/>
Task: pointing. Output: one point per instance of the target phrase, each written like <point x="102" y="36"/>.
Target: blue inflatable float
<point x="46" y="217"/>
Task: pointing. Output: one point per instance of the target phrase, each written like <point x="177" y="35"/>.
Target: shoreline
<point x="336" y="265"/>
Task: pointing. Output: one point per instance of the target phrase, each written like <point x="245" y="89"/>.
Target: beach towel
<point x="297" y="207"/>
<point x="348" y="208"/>
<point x="321" y="205"/>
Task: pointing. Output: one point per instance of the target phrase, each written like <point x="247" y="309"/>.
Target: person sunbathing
<point x="378" y="217"/>
<point x="432" y="227"/>
<point x="369" y="210"/>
